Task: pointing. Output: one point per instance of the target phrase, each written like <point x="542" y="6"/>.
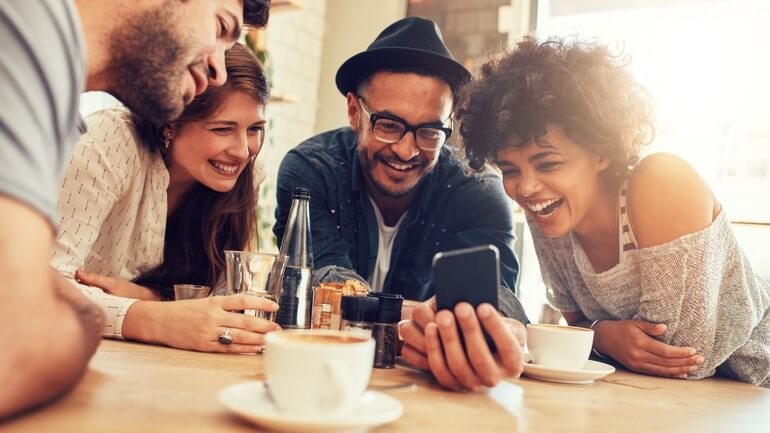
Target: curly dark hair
<point x="582" y="87"/>
<point x="256" y="12"/>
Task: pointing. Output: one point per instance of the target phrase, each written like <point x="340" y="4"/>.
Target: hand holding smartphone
<point x="469" y="275"/>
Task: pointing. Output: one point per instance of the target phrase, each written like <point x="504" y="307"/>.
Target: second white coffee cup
<point x="317" y="371"/>
<point x="565" y="347"/>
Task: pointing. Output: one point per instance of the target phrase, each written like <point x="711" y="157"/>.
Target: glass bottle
<point x="296" y="261"/>
<point x="385" y="329"/>
<point x="359" y="313"/>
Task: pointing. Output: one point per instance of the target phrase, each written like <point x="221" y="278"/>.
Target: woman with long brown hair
<point x="145" y="206"/>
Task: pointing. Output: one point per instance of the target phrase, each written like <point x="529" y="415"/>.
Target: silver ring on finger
<point x="225" y="339"/>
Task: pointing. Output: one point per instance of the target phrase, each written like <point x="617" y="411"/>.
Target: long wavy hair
<point x="206" y="222"/>
<point x="581" y="86"/>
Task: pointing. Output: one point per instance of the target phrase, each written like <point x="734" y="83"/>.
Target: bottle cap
<point x="300" y="192"/>
<point x="359" y="308"/>
<point x="389" y="310"/>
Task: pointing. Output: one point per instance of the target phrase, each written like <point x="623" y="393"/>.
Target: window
<point x="705" y="62"/>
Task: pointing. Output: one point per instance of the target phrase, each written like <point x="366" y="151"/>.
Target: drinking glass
<point x="190" y="291"/>
<point x="249" y="273"/>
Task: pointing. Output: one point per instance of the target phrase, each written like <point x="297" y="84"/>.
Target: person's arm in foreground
<point x="196" y="324"/>
<point x="48" y="330"/>
<point x="634" y="344"/>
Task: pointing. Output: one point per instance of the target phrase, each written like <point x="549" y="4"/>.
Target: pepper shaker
<point x="385" y="329"/>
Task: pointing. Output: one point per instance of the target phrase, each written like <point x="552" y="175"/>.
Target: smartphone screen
<point x="469" y="275"/>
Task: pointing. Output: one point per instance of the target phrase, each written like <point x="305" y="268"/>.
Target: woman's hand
<point x="196" y="324"/>
<point x="116" y="286"/>
<point x="432" y="342"/>
<point x="633" y="344"/>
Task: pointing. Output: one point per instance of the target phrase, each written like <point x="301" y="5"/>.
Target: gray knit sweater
<point x="700" y="285"/>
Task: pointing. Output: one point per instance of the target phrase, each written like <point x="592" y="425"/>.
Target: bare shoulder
<point x="667" y="199"/>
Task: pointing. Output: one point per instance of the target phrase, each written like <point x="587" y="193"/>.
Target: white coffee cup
<point x="565" y="347"/>
<point x="317" y="371"/>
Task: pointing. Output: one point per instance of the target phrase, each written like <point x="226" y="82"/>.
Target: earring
<point x="167" y="140"/>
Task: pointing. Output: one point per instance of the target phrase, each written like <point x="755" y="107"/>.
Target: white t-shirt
<point x="386" y="237"/>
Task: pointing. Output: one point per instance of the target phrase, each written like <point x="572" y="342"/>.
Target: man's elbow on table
<point x="46" y="351"/>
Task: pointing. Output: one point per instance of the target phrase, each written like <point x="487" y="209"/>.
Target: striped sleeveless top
<point x="627" y="241"/>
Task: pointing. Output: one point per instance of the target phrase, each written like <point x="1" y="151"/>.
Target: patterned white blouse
<point x="113" y="204"/>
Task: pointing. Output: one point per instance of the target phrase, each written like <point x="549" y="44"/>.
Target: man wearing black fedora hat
<point x="387" y="194"/>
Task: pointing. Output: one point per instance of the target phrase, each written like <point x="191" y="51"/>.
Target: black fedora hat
<point x="409" y="42"/>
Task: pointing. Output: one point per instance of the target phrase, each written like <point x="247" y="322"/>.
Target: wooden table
<point x="140" y="388"/>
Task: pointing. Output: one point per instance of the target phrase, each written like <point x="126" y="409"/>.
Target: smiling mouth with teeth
<point x="545" y="208"/>
<point x="400" y="167"/>
<point x="229" y="169"/>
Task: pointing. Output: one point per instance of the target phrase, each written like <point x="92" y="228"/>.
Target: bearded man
<point x="154" y="56"/>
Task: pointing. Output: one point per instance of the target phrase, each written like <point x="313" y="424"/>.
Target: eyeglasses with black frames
<point x="390" y="129"/>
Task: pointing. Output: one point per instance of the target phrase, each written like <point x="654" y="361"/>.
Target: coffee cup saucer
<point x="591" y="371"/>
<point x="251" y="401"/>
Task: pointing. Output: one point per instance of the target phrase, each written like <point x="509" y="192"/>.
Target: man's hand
<point x="632" y="343"/>
<point x="432" y="342"/>
<point x="196" y="324"/>
<point x="116" y="286"/>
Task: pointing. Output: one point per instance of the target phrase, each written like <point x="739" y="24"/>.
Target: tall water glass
<point x="249" y="273"/>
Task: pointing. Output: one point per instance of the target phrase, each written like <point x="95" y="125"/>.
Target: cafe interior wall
<point x="294" y="42"/>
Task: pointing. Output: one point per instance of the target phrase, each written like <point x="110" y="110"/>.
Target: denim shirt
<point x="452" y="210"/>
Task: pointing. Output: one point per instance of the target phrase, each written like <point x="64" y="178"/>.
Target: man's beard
<point x="366" y="168"/>
<point x="147" y="69"/>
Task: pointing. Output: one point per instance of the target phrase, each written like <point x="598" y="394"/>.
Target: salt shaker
<point x="359" y="314"/>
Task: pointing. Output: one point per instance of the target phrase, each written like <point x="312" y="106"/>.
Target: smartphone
<point x="469" y="275"/>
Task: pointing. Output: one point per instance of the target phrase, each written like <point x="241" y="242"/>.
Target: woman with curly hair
<point x="638" y="249"/>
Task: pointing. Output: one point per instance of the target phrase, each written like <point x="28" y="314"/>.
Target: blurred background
<point x="705" y="62"/>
